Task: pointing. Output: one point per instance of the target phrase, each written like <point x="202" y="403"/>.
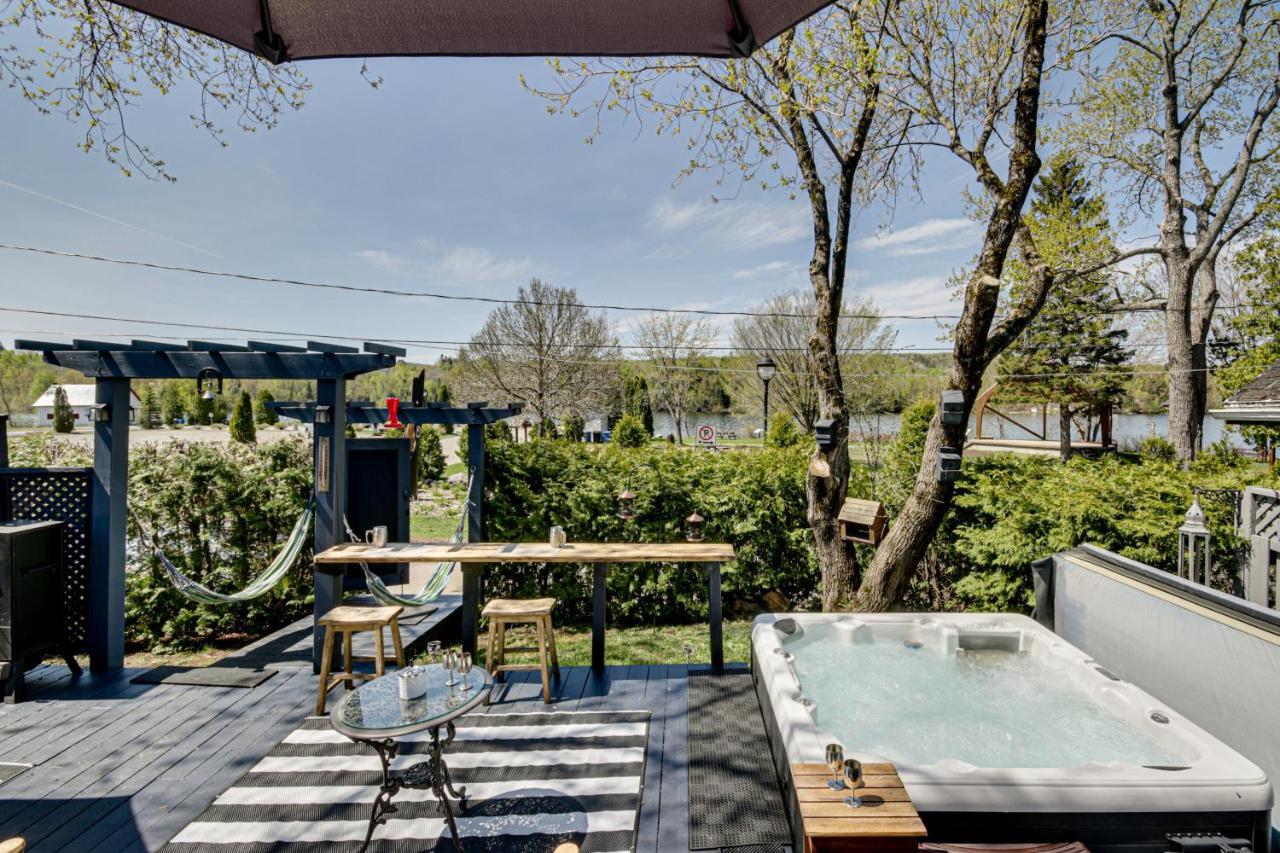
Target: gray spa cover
<point x="311" y="29"/>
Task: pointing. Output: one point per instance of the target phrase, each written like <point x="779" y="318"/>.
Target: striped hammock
<point x="260" y="585"/>
<point x="435" y="582"/>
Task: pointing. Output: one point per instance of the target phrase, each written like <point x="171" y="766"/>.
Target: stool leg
<point x="348" y="666"/>
<point x="542" y="661"/>
<point x="490" y="662"/>
<point x="502" y="651"/>
<point x="324" y="670"/>
<point x="379" y="652"/>
<point x="551" y="641"/>
<point x="395" y="641"/>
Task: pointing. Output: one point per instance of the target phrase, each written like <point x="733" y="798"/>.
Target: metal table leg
<point x="716" y="617"/>
<point x="598" y="605"/>
<point x="432" y="773"/>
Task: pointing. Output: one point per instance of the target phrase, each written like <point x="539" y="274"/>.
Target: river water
<point x="1128" y="430"/>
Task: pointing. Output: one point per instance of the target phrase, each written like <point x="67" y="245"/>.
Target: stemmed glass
<point x="854" y="781"/>
<point x="433" y="651"/>
<point x="835" y="761"/>
<point x="464" y="668"/>
<point x="450" y="663"/>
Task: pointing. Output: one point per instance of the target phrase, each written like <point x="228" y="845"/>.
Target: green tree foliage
<point x="171" y="408"/>
<point x="494" y="433"/>
<point x="242" y="429"/>
<point x="149" y="408"/>
<point x="783" y="431"/>
<point x="1157" y="448"/>
<point x="753" y="500"/>
<point x="263" y="414"/>
<point x="629" y="431"/>
<point x="199" y="410"/>
<point x="575" y="427"/>
<point x="24" y="377"/>
<point x="902" y="462"/>
<point x="64" y="419"/>
<point x="635" y="399"/>
<point x="1254" y="330"/>
<point x="430" y="455"/>
<point x="1068" y="355"/>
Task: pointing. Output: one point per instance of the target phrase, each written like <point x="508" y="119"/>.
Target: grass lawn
<point x="624" y="646"/>
<point x="426" y="528"/>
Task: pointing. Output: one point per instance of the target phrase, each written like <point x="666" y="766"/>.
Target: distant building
<point x="1256" y="403"/>
<point x="81" y="398"/>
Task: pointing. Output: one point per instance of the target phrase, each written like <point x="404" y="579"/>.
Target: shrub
<point x="902" y="460"/>
<point x="64" y="419"/>
<point x="263" y="414"/>
<point x="493" y="433"/>
<point x="755" y="501"/>
<point x="629" y="431"/>
<point x="430" y="455"/>
<point x="1157" y="448"/>
<point x="783" y="431"/>
<point x="575" y="427"/>
<point x="171" y="404"/>
<point x="242" y="429"/>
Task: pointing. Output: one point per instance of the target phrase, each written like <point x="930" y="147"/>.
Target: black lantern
<point x="626" y="505"/>
<point x="209" y="375"/>
<point x="693" y="527"/>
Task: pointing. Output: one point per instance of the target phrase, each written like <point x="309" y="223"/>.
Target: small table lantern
<point x="626" y="505"/>
<point x="863" y="521"/>
<point x="1194" y="554"/>
<point x="693" y="527"/>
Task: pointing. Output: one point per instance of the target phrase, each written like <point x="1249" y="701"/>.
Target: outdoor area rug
<point x="734" y="799"/>
<point x="533" y="781"/>
<point x="204" y="676"/>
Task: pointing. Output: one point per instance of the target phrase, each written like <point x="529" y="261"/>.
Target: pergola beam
<point x="105" y="360"/>
<point x="439" y="413"/>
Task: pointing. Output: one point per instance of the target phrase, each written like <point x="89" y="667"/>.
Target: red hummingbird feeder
<point x="393" y="414"/>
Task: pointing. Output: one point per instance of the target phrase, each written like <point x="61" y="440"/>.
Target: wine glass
<point x="433" y="651"/>
<point x="464" y="668"/>
<point x="853" y="780"/>
<point x="450" y="662"/>
<point x="835" y="761"/>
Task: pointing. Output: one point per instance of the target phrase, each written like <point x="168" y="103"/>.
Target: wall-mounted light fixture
<point x="101" y="412"/>
<point x="324" y="414"/>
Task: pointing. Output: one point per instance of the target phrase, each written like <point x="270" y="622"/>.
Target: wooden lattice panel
<point x="66" y="495"/>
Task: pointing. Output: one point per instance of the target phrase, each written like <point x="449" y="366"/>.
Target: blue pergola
<point x="112" y="365"/>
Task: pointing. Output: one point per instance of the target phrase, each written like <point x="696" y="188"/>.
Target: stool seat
<point x="502" y="612"/>
<point x="347" y="620"/>
<point x="516" y="607"/>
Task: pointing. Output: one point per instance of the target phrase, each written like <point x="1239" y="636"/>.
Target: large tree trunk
<point x="1064" y="431"/>
<point x="1184" y="413"/>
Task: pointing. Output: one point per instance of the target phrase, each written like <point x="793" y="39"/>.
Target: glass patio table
<point x="374" y="714"/>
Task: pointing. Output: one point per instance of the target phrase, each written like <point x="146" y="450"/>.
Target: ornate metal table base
<point x="432" y="773"/>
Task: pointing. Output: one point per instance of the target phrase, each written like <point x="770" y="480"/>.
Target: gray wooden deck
<point x="123" y="767"/>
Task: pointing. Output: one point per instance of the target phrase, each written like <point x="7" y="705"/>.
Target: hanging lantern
<point x="1194" y="555"/>
<point x="626" y="505"/>
<point x="693" y="527"/>
<point x="393" y="414"/>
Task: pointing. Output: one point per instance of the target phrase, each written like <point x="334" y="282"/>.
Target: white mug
<point x="377" y="537"/>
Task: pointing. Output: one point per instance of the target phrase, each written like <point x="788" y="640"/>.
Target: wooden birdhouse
<point x="863" y="521"/>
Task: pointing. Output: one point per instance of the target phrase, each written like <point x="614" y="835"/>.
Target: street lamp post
<point x="766" y="370"/>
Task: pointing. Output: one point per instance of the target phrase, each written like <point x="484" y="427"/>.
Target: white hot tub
<point x="1000" y="730"/>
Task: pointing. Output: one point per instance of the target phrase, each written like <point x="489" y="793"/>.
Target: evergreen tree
<point x="430" y="454"/>
<point x="1070" y="353"/>
<point x="199" y="410"/>
<point x="149" y="408"/>
<point x="263" y="414"/>
<point x="64" y="419"/>
<point x="171" y="404"/>
<point x="220" y="409"/>
<point x="575" y="427"/>
<point x="242" y="429"/>
<point x="635" y="400"/>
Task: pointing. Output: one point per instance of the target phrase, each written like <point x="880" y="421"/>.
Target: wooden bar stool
<point x="347" y="621"/>
<point x="502" y="612"/>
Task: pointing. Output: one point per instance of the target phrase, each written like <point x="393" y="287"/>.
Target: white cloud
<point x="931" y="235"/>
<point x="773" y="268"/>
<point x="746" y="224"/>
<point x="474" y="264"/>
<point x="927" y="294"/>
<point x="384" y="259"/>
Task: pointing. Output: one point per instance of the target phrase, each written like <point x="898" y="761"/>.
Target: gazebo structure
<point x="113" y="365"/>
<point x="1256" y="404"/>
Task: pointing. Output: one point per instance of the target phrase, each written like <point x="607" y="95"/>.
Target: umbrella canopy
<point x="284" y="30"/>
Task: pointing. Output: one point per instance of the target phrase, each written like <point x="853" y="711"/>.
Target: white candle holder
<point x="413" y="682"/>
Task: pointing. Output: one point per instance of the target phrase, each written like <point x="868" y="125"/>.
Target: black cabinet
<point x="32" y="622"/>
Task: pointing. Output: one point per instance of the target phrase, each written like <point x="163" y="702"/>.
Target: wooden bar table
<point x="602" y="555"/>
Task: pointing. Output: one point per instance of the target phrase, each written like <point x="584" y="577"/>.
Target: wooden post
<point x="107" y="541"/>
<point x="4" y="441"/>
<point x="473" y="573"/>
<point x="716" y="617"/>
<point x="330" y="490"/>
<point x="599" y="604"/>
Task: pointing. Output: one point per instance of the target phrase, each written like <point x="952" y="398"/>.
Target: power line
<point x="494" y="300"/>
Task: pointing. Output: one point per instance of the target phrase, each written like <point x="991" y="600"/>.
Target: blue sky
<point x="448" y="177"/>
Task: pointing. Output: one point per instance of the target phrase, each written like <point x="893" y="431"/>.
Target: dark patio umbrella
<point x="284" y="30"/>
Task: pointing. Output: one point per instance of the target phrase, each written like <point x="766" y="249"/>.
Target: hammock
<point x="436" y="581"/>
<point x="260" y="585"/>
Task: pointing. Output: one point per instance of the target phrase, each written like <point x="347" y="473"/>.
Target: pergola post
<point x="110" y="492"/>
<point x="473" y="574"/>
<point x="330" y="490"/>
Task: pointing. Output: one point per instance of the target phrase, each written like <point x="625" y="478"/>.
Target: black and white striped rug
<point x="533" y="781"/>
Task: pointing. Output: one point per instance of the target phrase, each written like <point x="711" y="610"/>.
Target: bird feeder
<point x="948" y="465"/>
<point x="693" y="527"/>
<point x="1194" y="555"/>
<point x="863" y="521"/>
<point x="393" y="414"/>
<point x="626" y="505"/>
